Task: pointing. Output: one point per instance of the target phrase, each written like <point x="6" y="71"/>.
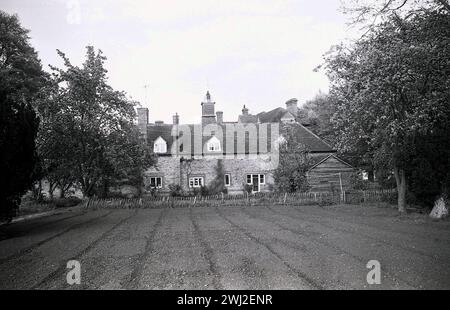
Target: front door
<point x="255" y="182"/>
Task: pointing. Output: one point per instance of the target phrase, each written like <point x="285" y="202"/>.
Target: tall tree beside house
<point x="54" y="145"/>
<point x="94" y="126"/>
<point x="125" y="160"/>
<point x="290" y="174"/>
<point x="21" y="78"/>
<point x="320" y="112"/>
<point x="392" y="86"/>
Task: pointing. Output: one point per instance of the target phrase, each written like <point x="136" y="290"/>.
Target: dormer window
<point x="160" y="146"/>
<point x="213" y="145"/>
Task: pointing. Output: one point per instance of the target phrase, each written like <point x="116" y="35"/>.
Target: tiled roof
<point x="197" y="135"/>
<point x="312" y="142"/>
<point x="249" y="118"/>
<point x="305" y="136"/>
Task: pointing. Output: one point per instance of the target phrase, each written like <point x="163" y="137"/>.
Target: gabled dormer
<point x="160" y="146"/>
<point x="213" y="145"/>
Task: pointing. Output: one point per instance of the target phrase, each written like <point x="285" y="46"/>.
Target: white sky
<point x="253" y="52"/>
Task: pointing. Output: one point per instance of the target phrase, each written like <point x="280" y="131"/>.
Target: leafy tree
<point x="21" y="78"/>
<point x="290" y="174"/>
<point x="92" y="129"/>
<point x="124" y="160"/>
<point x="319" y="111"/>
<point x="371" y="12"/>
<point x="392" y="86"/>
<point x="56" y="162"/>
<point x="429" y="159"/>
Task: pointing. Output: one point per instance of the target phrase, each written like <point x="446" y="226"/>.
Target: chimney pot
<point x="244" y="110"/>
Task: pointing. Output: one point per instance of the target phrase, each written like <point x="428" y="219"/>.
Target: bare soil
<point x="277" y="247"/>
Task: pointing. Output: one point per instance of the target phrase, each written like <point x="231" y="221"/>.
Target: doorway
<point x="255" y="183"/>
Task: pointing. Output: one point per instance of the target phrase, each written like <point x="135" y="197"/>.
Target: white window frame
<point x="160" y="146"/>
<point x="196" y="182"/>
<point x="249" y="177"/>
<point x="156" y="182"/>
<point x="225" y="179"/>
<point x="263" y="177"/>
<point x="213" y="145"/>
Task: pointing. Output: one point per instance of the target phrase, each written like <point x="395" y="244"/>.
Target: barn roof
<point x="322" y="159"/>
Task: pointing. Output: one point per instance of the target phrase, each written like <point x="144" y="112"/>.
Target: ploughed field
<point x="279" y="247"/>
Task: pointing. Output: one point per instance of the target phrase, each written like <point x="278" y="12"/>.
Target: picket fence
<point x="309" y="198"/>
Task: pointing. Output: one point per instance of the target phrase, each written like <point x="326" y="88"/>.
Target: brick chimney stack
<point x="142" y="120"/>
<point x="219" y="115"/>
<point x="208" y="115"/>
<point x="176" y="119"/>
<point x="291" y="106"/>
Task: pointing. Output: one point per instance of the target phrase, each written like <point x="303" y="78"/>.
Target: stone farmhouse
<point x="245" y="151"/>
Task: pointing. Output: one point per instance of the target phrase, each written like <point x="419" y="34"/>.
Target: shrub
<point x="326" y="201"/>
<point x="357" y="182"/>
<point x="247" y="188"/>
<point x="67" y="202"/>
<point x="175" y="190"/>
<point x="205" y="191"/>
<point x="217" y="185"/>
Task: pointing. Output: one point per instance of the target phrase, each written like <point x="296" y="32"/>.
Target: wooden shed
<point x="328" y="173"/>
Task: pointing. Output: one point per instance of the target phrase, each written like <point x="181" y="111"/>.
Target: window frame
<point x="225" y="179"/>
<point x="249" y="177"/>
<point x="196" y="182"/>
<point x="261" y="176"/>
<point x="155" y="178"/>
<point x="214" y="145"/>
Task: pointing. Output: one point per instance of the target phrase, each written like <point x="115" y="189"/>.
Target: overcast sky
<point x="258" y="53"/>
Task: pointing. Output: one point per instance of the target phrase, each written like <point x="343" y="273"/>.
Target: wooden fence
<point x="356" y="197"/>
<point x="311" y="198"/>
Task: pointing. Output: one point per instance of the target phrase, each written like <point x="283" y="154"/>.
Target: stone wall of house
<point x="237" y="166"/>
<point x="176" y="171"/>
<point x="167" y="167"/>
